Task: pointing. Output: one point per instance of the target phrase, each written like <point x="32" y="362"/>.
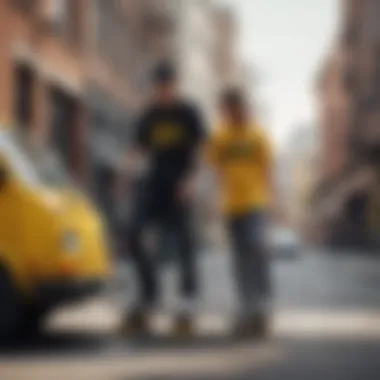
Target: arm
<point x="137" y="152"/>
<point x="199" y="134"/>
<point x="210" y="155"/>
<point x="133" y="161"/>
<point x="268" y="170"/>
<point x="191" y="179"/>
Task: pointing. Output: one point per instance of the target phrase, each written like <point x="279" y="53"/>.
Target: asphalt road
<point x="327" y="309"/>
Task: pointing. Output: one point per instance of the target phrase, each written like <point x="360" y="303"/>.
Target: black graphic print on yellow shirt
<point x="238" y="150"/>
<point x="242" y="160"/>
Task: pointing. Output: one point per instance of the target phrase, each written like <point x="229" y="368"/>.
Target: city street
<point x="119" y="116"/>
<point x="326" y="325"/>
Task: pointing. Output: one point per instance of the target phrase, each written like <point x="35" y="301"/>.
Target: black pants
<point x="170" y="218"/>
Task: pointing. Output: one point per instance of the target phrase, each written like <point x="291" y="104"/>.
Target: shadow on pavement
<point x="56" y="344"/>
<point x="301" y="359"/>
<point x="202" y="342"/>
<point x="66" y="344"/>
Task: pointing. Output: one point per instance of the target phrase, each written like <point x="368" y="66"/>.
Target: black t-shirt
<point x="170" y="135"/>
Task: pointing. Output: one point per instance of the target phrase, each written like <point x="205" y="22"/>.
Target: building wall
<point x="300" y="172"/>
<point x="74" y="46"/>
<point x="49" y="44"/>
<point x="129" y="38"/>
<point x="231" y="70"/>
<point x="333" y="115"/>
<point x="359" y="45"/>
<point x="196" y="46"/>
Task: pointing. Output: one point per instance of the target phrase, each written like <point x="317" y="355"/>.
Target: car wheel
<point x="32" y="320"/>
<point x="10" y="308"/>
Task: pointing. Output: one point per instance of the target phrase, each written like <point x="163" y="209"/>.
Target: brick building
<point x="333" y="116"/>
<point x="57" y="56"/>
<point x="350" y="102"/>
<point x="74" y="72"/>
<point x="129" y="37"/>
<point x="42" y="72"/>
<point x="73" y="75"/>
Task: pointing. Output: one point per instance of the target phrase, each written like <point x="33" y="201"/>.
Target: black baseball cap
<point x="164" y="73"/>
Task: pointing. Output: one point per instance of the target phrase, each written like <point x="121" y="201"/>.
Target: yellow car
<point x="52" y="244"/>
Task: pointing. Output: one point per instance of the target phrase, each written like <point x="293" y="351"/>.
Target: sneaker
<point x="256" y="326"/>
<point x="184" y="326"/>
<point x="136" y="323"/>
<point x="260" y="324"/>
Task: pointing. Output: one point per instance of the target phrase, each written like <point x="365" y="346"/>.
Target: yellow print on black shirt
<point x="167" y="135"/>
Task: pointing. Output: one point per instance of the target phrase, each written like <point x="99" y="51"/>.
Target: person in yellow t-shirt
<point x="241" y="156"/>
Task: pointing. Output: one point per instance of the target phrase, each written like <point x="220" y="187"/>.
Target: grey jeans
<point x="251" y="261"/>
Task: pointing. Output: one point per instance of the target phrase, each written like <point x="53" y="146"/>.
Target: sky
<point x="287" y="40"/>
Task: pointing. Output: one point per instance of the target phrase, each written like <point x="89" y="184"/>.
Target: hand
<point x="272" y="213"/>
<point x="213" y="211"/>
<point x="185" y="190"/>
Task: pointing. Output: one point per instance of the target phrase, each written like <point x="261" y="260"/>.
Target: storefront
<point x="346" y="213"/>
<point x="107" y="141"/>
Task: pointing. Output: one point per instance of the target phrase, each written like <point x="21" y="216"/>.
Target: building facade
<point x="351" y="145"/>
<point x="333" y="110"/>
<point x="42" y="73"/>
<point x="297" y="172"/>
<point x="195" y="47"/>
<point x="73" y="75"/>
<point x="111" y="98"/>
<point x="228" y="66"/>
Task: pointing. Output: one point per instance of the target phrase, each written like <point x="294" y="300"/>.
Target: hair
<point x="233" y="96"/>
<point x="164" y="73"/>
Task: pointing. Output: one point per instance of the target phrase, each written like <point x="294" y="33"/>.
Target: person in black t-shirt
<point x="169" y="133"/>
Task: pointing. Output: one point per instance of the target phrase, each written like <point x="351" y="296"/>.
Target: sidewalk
<point x="103" y="317"/>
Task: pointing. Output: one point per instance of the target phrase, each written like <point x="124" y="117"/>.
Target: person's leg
<point x="188" y="271"/>
<point x="251" y="271"/>
<point x="146" y="276"/>
<point x="137" y="319"/>
<point x="260" y="277"/>
<point x="186" y="256"/>
<point x="242" y="270"/>
<point x="164" y="254"/>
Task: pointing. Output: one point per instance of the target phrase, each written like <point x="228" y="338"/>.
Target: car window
<point x="36" y="167"/>
<point x="17" y="159"/>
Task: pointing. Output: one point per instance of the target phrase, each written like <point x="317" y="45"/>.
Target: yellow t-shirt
<point x="242" y="158"/>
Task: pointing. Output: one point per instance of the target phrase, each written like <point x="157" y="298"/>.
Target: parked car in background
<point x="284" y="243"/>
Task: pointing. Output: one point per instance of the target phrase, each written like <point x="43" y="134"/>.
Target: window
<point x="35" y="167"/>
<point x="59" y="14"/>
<point x="372" y="26"/>
<point x="23" y="102"/>
<point x="103" y="30"/>
<point x="74" y="32"/>
<point x="350" y="78"/>
<point x="376" y="76"/>
<point x="24" y="5"/>
<point x="112" y="35"/>
<point x="64" y="118"/>
<point x="65" y="19"/>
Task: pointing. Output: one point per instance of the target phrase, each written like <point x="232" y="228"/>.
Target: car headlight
<point x="70" y="242"/>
